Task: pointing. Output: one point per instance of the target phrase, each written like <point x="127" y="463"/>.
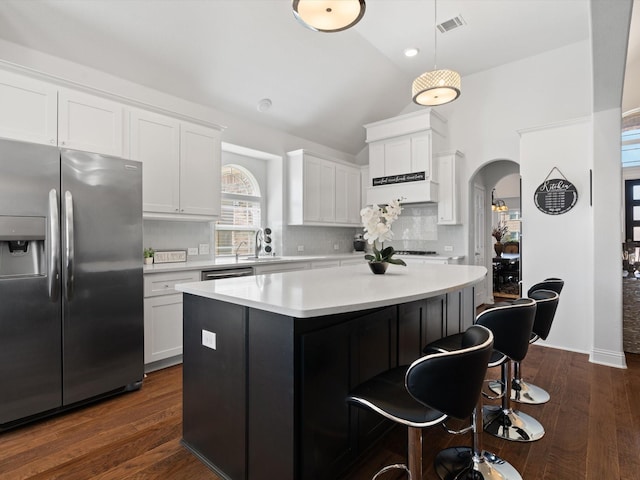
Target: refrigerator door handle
<point x="69" y="248"/>
<point x="53" y="281"/>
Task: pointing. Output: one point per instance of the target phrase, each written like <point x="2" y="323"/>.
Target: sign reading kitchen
<point x="403" y="178"/>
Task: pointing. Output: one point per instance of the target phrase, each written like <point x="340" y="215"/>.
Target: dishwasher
<point x="226" y="273"/>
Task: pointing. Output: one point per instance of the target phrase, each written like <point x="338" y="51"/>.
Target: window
<point x="632" y="210"/>
<point x="241" y="214"/>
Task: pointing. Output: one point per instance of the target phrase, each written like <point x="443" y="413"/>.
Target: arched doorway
<point x="481" y="218"/>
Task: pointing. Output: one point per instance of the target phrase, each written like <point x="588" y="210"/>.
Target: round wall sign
<point x="555" y="196"/>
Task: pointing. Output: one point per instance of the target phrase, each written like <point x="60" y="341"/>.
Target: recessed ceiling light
<point x="264" y="105"/>
<point x="411" y="52"/>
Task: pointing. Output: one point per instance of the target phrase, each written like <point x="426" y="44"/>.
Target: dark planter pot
<point x="378" y="267"/>
<point x="498" y="247"/>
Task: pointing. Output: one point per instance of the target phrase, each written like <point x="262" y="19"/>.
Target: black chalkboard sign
<point x="555" y="196"/>
<point x="402" y="178"/>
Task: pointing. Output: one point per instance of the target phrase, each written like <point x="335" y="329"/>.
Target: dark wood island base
<point x="269" y="401"/>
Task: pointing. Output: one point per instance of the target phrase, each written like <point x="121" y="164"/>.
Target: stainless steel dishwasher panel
<point x="226" y="273"/>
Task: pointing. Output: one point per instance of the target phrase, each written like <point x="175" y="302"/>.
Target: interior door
<point x="479" y="247"/>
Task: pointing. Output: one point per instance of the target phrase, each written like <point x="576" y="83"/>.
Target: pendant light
<point x="328" y="15"/>
<point x="436" y="87"/>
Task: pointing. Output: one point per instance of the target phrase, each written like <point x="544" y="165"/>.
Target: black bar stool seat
<point x="427" y="392"/>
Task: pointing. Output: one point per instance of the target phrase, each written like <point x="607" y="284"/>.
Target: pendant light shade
<point x="436" y="87"/>
<point x="328" y="15"/>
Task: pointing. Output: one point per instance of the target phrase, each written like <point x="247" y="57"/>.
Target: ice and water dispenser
<point x="22" y="246"/>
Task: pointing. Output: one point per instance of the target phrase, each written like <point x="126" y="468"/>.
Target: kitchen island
<point x="269" y="360"/>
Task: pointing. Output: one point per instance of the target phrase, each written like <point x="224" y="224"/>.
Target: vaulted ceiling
<point x="230" y="54"/>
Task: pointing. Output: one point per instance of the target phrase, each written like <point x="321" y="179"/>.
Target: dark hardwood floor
<point x="592" y="432"/>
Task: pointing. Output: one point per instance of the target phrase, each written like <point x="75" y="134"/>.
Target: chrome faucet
<point x="238" y="248"/>
<point x="258" y="245"/>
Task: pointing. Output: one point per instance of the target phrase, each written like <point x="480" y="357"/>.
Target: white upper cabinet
<point x="401" y="157"/>
<point x="322" y="191"/>
<point x="449" y="164"/>
<point x="29" y="109"/>
<point x="181" y="166"/>
<point x="347" y="196"/>
<point x="200" y="165"/>
<point x="155" y="141"/>
<point x="90" y="123"/>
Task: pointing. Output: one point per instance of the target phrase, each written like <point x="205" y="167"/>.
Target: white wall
<point x="485" y="123"/>
<point x="560" y="245"/>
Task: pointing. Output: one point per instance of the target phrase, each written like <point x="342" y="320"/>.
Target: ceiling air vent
<point x="449" y="25"/>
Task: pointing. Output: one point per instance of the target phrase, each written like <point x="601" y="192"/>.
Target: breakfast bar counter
<point x="269" y="360"/>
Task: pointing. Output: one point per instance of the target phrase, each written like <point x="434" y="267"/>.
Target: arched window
<point x="241" y="211"/>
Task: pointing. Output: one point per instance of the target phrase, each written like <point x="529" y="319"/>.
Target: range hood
<point x="401" y="157"/>
<point x="424" y="191"/>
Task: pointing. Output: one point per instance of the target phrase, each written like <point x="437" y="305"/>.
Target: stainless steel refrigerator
<point x="71" y="311"/>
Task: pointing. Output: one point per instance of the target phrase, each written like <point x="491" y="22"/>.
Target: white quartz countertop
<point x="243" y="261"/>
<point x="328" y="291"/>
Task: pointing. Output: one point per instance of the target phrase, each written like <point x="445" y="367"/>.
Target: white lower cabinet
<point x="163" y="318"/>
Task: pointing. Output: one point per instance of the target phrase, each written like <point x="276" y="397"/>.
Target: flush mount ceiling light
<point x="328" y="15"/>
<point x="436" y="87"/>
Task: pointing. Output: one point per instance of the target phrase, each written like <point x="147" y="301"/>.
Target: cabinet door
<point x="200" y="164"/>
<point x="155" y="141"/>
<point x="162" y="327"/>
<point x="397" y="156"/>
<point x="448" y="210"/>
<point x="319" y="190"/>
<point x="376" y="161"/>
<point x="421" y="154"/>
<point x="29" y="109"/>
<point x="89" y="123"/>
<point x="347" y="203"/>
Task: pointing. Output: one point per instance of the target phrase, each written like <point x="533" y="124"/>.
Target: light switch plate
<point x="204" y="249"/>
<point x="448" y="248"/>
<point x="209" y="339"/>
<point x="193" y="251"/>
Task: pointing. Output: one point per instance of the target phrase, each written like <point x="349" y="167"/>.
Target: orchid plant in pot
<point x="377" y="225"/>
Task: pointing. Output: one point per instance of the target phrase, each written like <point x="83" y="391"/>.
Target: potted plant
<point x="377" y="224"/>
<point x="148" y="256"/>
<point x="499" y="233"/>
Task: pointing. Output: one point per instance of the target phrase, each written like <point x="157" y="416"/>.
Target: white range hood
<point x="401" y="160"/>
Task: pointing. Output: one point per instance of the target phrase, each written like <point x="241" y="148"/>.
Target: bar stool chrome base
<point x="523" y="392"/>
<point x="511" y="425"/>
<point x="458" y="463"/>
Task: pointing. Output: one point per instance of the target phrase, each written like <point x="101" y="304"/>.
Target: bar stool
<point x="510" y="324"/>
<point x="427" y="392"/>
<point x="503" y="421"/>
<point x="524" y="392"/>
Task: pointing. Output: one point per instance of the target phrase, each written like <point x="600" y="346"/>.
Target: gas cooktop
<point x="415" y="252"/>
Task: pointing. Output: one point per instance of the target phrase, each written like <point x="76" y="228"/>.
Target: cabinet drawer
<point x="164" y="283"/>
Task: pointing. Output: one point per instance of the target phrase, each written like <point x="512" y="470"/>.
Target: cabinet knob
<point x="182" y="209"/>
<point x="52" y="141"/>
<point x="177" y="210"/>
<point x="63" y="143"/>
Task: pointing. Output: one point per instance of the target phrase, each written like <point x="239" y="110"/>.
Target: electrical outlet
<point x="448" y="248"/>
<point x="301" y="248"/>
<point x="336" y="246"/>
<point x="192" y="251"/>
<point x="209" y="339"/>
<point x="204" y="249"/>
